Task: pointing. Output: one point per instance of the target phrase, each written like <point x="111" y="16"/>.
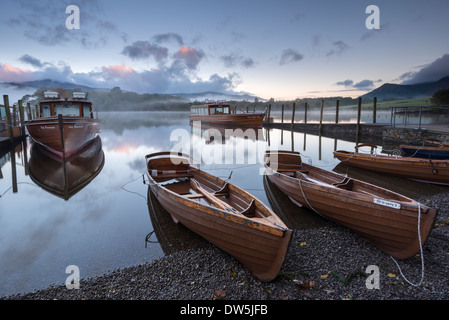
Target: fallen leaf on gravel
<point x="219" y="294"/>
<point x="391" y="275"/>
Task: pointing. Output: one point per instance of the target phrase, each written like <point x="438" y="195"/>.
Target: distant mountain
<point x="48" y="83"/>
<point x="410" y="91"/>
<point x="201" y="96"/>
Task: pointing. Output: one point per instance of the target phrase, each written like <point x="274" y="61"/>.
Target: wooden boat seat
<point x="167" y="175"/>
<point x="249" y="212"/>
<point x="199" y="195"/>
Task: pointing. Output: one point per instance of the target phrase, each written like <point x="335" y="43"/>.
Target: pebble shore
<point x="324" y="263"/>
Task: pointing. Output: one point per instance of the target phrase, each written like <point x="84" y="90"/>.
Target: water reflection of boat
<point x="64" y="126"/>
<point x="65" y="177"/>
<point x="219" y="113"/>
<point x="171" y="237"/>
<point x="212" y="133"/>
<point x="426" y="170"/>
<point x="386" y="219"/>
<point x="220" y="212"/>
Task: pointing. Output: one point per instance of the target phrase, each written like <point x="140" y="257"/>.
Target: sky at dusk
<point x="271" y="49"/>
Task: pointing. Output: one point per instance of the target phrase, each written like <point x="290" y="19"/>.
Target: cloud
<point x="190" y="56"/>
<point x="168" y="37"/>
<point x="31" y="60"/>
<point x="346" y="83"/>
<point x="339" y="47"/>
<point x="9" y="73"/>
<point x="369" y="34"/>
<point x="434" y="71"/>
<point x="234" y="59"/>
<point x="143" y="49"/>
<point x="167" y="78"/>
<point x="289" y="56"/>
<point x="44" y="22"/>
<point x="364" y="85"/>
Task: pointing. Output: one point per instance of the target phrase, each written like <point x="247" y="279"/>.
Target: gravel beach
<point x="328" y="262"/>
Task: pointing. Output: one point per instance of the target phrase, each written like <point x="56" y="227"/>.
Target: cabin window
<point x="46" y="111"/>
<point x="226" y="110"/>
<point x="67" y="110"/>
<point x="86" y="111"/>
<point x="211" y="110"/>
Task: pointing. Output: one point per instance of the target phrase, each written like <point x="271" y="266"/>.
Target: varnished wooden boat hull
<point x="433" y="171"/>
<point x="66" y="177"/>
<point x="386" y="219"/>
<point x="259" y="244"/>
<point x="76" y="133"/>
<point x="234" y="120"/>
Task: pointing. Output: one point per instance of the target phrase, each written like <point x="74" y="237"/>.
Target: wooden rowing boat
<point x="386" y="219"/>
<point x="434" y="149"/>
<point x="426" y="170"/>
<point x="222" y="213"/>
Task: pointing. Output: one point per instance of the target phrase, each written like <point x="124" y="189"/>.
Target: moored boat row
<point x="232" y="218"/>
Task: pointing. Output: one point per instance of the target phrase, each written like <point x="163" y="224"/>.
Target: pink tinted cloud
<point x="9" y="73"/>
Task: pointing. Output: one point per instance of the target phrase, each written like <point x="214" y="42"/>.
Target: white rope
<point x="307" y="201"/>
<point x="421" y="252"/>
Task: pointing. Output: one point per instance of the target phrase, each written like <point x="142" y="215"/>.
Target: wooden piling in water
<point x="359" y="112"/>
<point x="321" y="116"/>
<point x="337" y="107"/>
<point x="269" y="113"/>
<point x="22" y="119"/>
<point x="374" y="109"/>
<point x="8" y="119"/>
<point x="282" y="115"/>
<point x="305" y="113"/>
<point x="293" y="115"/>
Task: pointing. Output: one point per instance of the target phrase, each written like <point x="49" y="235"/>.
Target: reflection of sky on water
<point x="103" y="226"/>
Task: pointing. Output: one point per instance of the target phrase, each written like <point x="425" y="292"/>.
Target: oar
<point x="209" y="196"/>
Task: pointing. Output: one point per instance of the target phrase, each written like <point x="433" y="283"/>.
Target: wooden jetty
<point x="373" y="132"/>
<point x="12" y="129"/>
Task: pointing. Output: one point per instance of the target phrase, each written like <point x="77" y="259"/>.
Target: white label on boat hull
<point x="386" y="203"/>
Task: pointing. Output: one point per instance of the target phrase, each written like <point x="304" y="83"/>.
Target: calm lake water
<point x="105" y="225"/>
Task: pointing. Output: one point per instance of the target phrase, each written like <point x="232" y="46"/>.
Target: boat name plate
<point x="386" y="203"/>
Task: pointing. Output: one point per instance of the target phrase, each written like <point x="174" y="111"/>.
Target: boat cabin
<point x="78" y="106"/>
<point x="211" y="109"/>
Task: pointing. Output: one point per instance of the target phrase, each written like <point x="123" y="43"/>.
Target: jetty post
<point x="374" y="109"/>
<point x="337" y="107"/>
<point x="359" y="112"/>
<point x="22" y="119"/>
<point x="321" y="115"/>
<point x="293" y="115"/>
<point x="8" y="119"/>
<point x="305" y="113"/>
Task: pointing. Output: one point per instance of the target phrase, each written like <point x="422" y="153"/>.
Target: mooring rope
<point x="421" y="253"/>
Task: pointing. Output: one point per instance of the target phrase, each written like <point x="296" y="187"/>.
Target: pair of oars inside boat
<point x="212" y="197"/>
